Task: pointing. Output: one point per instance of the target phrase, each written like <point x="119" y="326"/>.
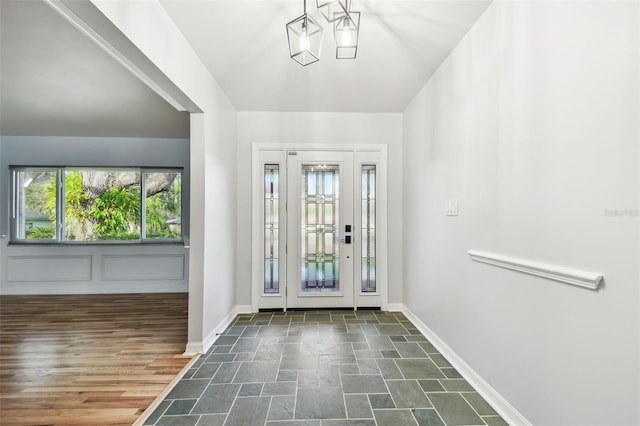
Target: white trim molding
<point x="194" y="348"/>
<point x="590" y="280"/>
<point x="493" y="398"/>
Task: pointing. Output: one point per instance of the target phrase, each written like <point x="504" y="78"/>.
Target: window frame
<point x="60" y="239"/>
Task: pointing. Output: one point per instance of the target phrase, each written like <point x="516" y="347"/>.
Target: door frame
<point x="277" y="154"/>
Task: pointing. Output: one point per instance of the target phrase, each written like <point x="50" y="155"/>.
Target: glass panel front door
<point x="320" y="212"/>
<point x="320" y="208"/>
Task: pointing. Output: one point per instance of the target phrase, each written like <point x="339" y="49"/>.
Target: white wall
<point x="532" y="123"/>
<point x="213" y="161"/>
<point x="77" y="269"/>
<point x="305" y="128"/>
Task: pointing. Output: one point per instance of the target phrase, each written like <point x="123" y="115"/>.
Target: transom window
<point x="79" y="204"/>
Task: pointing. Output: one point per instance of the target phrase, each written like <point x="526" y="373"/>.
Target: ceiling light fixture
<point x="305" y="39"/>
<point x="345" y="32"/>
<point x="304" y="34"/>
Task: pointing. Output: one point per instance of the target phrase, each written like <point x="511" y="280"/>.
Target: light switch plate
<point x="452" y="207"/>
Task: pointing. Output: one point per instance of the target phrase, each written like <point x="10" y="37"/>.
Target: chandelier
<point x="304" y="34"/>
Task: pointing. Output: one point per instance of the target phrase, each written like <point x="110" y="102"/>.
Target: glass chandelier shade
<point x="305" y="39"/>
<point x="333" y="10"/>
<point x="345" y="32"/>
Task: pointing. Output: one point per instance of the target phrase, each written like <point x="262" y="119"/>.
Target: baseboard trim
<point x="202" y="347"/>
<point x="493" y="398"/>
<point x="395" y="307"/>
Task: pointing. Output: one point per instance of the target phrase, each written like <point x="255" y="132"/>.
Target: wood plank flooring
<point x="88" y="359"/>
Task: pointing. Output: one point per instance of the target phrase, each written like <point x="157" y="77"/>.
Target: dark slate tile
<point x="319" y="404"/>
<point x="418" y="369"/>
<point x="410" y="350"/>
<point x="159" y="411"/>
<point x="367" y="366"/>
<point x="212" y="420"/>
<point x="479" y="404"/>
<point x="456" y="385"/>
<point x="428" y="347"/>
<point x="225" y="340"/>
<point x="249" y="411"/>
<point x="295" y="423"/>
<point x="390" y="354"/>
<point x="234" y="331"/>
<point x="308" y="379"/>
<point x="358" y="422"/>
<point x="431" y="385"/>
<point x="363" y="383"/>
<point x="398" y="338"/>
<point x="416" y="338"/>
<point x="282" y="408"/>
<point x="427" y="417"/>
<point x="226" y="372"/>
<point x="189" y="374"/>
<point x="407" y="394"/>
<point x="273" y="331"/>
<point x="206" y="370"/>
<point x="178" y="421"/>
<point x="360" y="346"/>
<point x="495" y="421"/>
<point x="386" y="319"/>
<point x="180" y="406"/>
<point x="391" y="330"/>
<point x="245" y="356"/>
<point x="287" y="376"/>
<point x="250" y="389"/>
<point x="389" y="369"/>
<point x="358" y="406"/>
<point x="216" y="399"/>
<point x="220" y="357"/>
<point x="317" y="318"/>
<point x="279" y="388"/>
<point x="380" y="342"/>
<point x="451" y="373"/>
<point x="350" y="338"/>
<point x="301" y="362"/>
<point x="369" y="330"/>
<point x="353" y="368"/>
<point x="368" y="354"/>
<point x="257" y="371"/>
<point x="188" y="389"/>
<point x="280" y="320"/>
<point x="393" y="417"/>
<point x="381" y="401"/>
<point x="439" y="360"/>
<point x="225" y="349"/>
<point x="454" y="410"/>
<point x="336" y="359"/>
<point x="250" y="331"/>
<point x="246" y="344"/>
<point x="329" y="376"/>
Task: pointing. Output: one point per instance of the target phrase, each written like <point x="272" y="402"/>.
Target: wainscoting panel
<point x="143" y="267"/>
<point x="48" y="268"/>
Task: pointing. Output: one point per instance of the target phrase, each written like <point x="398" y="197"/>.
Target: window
<point x="368" y="248"/>
<point x="271" y="228"/>
<point x="90" y="205"/>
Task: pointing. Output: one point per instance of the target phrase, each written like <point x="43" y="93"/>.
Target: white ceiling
<point x="54" y="81"/>
<point x="244" y="45"/>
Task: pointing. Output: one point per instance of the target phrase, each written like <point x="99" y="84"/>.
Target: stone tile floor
<point x="323" y="368"/>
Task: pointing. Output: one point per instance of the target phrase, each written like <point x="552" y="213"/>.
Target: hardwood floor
<point x="88" y="359"/>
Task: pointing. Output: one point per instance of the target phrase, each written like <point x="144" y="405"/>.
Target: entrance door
<point x="320" y="229"/>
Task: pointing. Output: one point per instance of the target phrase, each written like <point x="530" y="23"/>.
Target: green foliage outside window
<point x="102" y="204"/>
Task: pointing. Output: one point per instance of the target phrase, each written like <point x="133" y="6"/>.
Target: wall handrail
<point x="575" y="277"/>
